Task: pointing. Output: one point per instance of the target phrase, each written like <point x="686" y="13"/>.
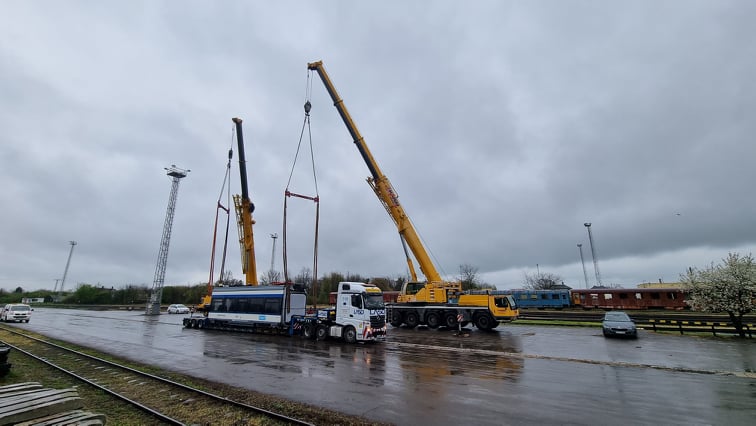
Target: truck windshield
<point x="373" y="301"/>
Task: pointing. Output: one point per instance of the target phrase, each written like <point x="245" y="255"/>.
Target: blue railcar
<point x="553" y="299"/>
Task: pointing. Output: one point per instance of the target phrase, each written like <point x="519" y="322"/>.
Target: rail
<point x="96" y="371"/>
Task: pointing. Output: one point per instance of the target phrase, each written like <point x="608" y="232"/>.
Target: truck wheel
<point x="201" y="324"/>
<point x="433" y="320"/>
<point x="321" y="332"/>
<point x="396" y="319"/>
<point x="412" y="319"/>
<point x="308" y="331"/>
<point x="350" y="334"/>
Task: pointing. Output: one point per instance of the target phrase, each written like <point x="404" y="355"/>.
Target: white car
<point x="178" y="309"/>
<point x="16" y="312"/>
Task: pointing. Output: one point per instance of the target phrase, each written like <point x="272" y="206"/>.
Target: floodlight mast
<point x="153" y="306"/>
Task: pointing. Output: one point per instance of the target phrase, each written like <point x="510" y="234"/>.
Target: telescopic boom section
<point x="244" y="209"/>
<point x="381" y="184"/>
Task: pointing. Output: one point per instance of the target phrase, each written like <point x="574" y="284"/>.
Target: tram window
<point x="607" y="296"/>
<point x="272" y="306"/>
<point x="655" y="296"/>
<point x="544" y="296"/>
<point x="639" y="296"/>
<point x="523" y="297"/>
<point x="623" y="295"/>
<point x="534" y="296"/>
<point x="256" y="305"/>
<point x="671" y="296"/>
<point x="555" y="296"/>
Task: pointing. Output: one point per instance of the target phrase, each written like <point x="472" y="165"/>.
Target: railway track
<point x="167" y="401"/>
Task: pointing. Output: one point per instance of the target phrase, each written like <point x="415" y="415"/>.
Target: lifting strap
<point x="219" y="207"/>
<point x="315" y="198"/>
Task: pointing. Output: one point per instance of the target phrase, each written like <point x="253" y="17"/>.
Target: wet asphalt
<point x="519" y="375"/>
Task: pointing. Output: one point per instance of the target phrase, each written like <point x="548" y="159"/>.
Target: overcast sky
<point x="503" y="126"/>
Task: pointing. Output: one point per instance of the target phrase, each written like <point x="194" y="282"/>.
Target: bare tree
<point x="542" y="281"/>
<point x="270" y="277"/>
<point x="304" y="277"/>
<point x="468" y="276"/>
<point x="227" y="279"/>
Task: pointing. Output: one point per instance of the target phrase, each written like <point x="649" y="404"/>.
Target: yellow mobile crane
<point x="244" y="208"/>
<point x="433" y="302"/>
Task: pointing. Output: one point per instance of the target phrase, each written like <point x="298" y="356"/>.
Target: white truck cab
<point x="359" y="307"/>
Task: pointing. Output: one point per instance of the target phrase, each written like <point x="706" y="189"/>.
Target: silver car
<point x="618" y="323"/>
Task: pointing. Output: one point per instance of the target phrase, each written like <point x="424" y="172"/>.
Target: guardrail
<point x="654" y="321"/>
<point x="694" y="327"/>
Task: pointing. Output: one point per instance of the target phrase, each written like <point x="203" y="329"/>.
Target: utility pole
<point x="153" y="306"/>
<point x="68" y="263"/>
<point x="593" y="254"/>
<point x="582" y="261"/>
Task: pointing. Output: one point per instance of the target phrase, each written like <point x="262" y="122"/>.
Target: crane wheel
<point x="450" y="320"/>
<point x="396" y="319"/>
<point x="433" y="320"/>
<point x="484" y="322"/>
<point x="412" y="320"/>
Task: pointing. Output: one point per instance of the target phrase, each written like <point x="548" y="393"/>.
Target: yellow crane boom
<point x="435" y="289"/>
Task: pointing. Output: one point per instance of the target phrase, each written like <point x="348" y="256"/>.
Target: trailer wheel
<point x="433" y="320"/>
<point x="396" y="318"/>
<point x="321" y="332"/>
<point x="412" y="319"/>
<point x="308" y="331"/>
<point x="201" y="324"/>
<point x="350" y="334"/>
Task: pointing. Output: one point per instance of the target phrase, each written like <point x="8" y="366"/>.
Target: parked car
<point x="617" y="323"/>
<point x="16" y="312"/>
<point x="178" y="309"/>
